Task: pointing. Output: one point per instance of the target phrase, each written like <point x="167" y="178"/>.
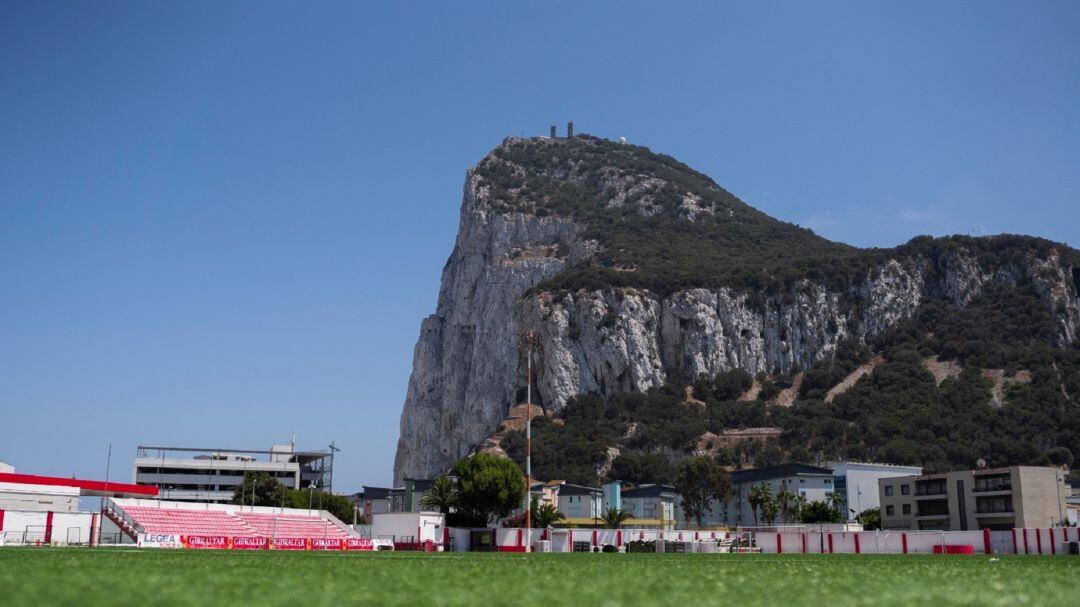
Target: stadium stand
<point x="266" y="525"/>
<point x="182" y="518"/>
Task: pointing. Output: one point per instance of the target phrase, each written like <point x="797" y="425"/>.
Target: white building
<point x="211" y="475"/>
<point x="581" y="505"/>
<point x="857" y="482"/>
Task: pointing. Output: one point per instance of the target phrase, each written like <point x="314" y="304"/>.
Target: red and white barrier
<point x="1041" y="541"/>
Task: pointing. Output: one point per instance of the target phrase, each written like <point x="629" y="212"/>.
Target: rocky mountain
<point x="634" y="269"/>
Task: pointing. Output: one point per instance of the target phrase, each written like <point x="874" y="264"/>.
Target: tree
<point x="267" y="491"/>
<point x="614" y="518"/>
<point x="699" y="481"/>
<point x="488" y="487"/>
<point x="870" y="519"/>
<point x="819" y="512"/>
<point x="836" y="502"/>
<point x="442" y="495"/>
<point x="547" y="515"/>
<point x="769" y="510"/>
<point x="786" y="500"/>
<point x="800" y="503"/>
<point x="338" y="505"/>
<point x="758" y="496"/>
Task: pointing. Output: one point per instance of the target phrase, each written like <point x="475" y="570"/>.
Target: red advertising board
<point x="250" y="543"/>
<point x="290" y="543"/>
<point x="358" y="544"/>
<point x="330" y="543"/>
<point x="205" y="541"/>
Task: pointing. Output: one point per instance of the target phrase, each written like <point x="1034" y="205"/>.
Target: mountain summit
<point x="634" y="269"/>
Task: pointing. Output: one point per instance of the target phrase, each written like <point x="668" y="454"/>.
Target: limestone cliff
<point x="548" y="241"/>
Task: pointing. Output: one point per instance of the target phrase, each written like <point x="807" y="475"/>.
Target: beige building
<point x="997" y="498"/>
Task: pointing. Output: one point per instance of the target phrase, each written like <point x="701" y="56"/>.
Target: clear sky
<point x="222" y="222"/>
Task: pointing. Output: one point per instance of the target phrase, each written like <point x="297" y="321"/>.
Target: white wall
<point x="399" y="525"/>
<point x="29" y="526"/>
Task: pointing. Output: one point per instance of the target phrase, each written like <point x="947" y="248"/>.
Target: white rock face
<point x="465" y="364"/>
<point x="468" y="364"/>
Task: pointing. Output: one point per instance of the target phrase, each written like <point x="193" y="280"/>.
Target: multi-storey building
<point x="811" y="482"/>
<point x="651" y="505"/>
<point x="581" y="505"/>
<point x="212" y="475"/>
<point x="994" y="498"/>
<point x="857" y="483"/>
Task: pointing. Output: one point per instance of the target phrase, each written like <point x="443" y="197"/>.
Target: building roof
<point x="650" y="490"/>
<point x="873" y="466"/>
<point x="86" y="488"/>
<point x="375" y="493"/>
<point x="783" y="470"/>
<point x="571" y="489"/>
<point x="421" y="484"/>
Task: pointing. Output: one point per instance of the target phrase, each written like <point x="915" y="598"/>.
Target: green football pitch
<point x="33" y="577"/>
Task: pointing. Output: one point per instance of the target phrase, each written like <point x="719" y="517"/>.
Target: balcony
<point x="931" y="489"/>
<point x="986" y="485"/>
<point x="986" y="513"/>
<point x="931" y="515"/>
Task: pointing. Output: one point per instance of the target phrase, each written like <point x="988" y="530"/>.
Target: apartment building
<point x="992" y="498"/>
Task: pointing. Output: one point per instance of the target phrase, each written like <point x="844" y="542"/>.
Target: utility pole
<point x="330" y="474"/>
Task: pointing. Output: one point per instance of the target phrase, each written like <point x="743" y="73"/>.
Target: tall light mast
<point x="528" y="447"/>
<point x="530" y="343"/>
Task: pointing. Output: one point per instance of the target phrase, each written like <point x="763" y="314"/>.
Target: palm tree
<point x="547" y="515"/>
<point x="614" y="518"/>
<point x="836" y="501"/>
<point x="800" y="503"/>
<point x="769" y="510"/>
<point x="441" y="496"/>
<point x="785" y="499"/>
<point x="757" y="496"/>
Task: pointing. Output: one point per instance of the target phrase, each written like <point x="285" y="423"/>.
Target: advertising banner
<point x="219" y="542"/>
<point x="330" y="543"/>
<point x="159" y="540"/>
<point x="354" y="543"/>
<point x="250" y="543"/>
<point x="290" y="543"/>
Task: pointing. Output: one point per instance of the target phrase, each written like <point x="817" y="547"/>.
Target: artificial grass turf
<point x="176" y="577"/>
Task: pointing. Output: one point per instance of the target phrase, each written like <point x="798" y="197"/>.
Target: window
<point x="888" y="490"/>
<point x="828" y="481"/>
<point x="905" y="489"/>
<point x="890" y="510"/>
<point x="906" y="509"/>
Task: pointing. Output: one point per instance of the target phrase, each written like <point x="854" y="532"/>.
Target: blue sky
<point x="222" y="222"/>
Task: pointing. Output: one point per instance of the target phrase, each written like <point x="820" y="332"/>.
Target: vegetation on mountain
<point x="897" y="414"/>
<point x="663" y="226"/>
<point x="638" y="205"/>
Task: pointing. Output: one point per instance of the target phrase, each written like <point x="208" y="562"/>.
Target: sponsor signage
<point x="332" y="543"/>
<point x="250" y="543"/>
<point x="290" y="543"/>
<point x="159" y="540"/>
<point x="358" y="544"/>
<point x="205" y="541"/>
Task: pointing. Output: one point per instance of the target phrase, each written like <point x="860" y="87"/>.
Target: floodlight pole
<point x="528" y="447"/>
